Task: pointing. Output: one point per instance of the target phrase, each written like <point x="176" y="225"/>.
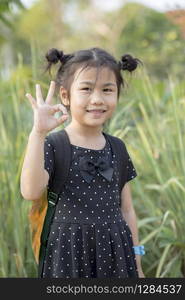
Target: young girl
<point x="91" y="234"/>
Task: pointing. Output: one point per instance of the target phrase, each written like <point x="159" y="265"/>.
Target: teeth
<point x="96" y="110"/>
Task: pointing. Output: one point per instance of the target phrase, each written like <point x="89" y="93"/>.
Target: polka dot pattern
<point x="89" y="236"/>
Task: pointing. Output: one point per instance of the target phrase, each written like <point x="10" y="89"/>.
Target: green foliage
<point x="16" y="258"/>
<point x="5" y="9"/>
<point x="153" y="38"/>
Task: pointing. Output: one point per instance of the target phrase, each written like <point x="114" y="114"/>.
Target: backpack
<point x="43" y="209"/>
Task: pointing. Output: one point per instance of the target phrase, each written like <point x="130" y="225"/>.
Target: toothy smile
<point x="96" y="111"/>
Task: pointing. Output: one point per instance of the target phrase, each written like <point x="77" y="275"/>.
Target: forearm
<point x="130" y="218"/>
<point x="33" y="174"/>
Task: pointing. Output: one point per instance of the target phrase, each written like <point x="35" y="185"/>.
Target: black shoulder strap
<point x="62" y="158"/>
<point x="119" y="149"/>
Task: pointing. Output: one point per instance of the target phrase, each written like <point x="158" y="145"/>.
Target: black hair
<point x="93" y="57"/>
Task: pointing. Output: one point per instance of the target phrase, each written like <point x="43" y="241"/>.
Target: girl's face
<point x="93" y="100"/>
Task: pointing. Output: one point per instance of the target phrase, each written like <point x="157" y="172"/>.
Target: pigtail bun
<point x="53" y="56"/>
<point x="128" y="63"/>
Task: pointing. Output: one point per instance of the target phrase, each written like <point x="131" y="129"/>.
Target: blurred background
<point x="149" y="116"/>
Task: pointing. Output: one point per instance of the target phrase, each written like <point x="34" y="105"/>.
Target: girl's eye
<point x="85" y="89"/>
<point x="107" y="90"/>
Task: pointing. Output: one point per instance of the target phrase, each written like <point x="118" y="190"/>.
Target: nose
<point x="96" y="98"/>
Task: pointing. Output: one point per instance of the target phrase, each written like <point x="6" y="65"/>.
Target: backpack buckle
<point x="51" y="202"/>
<point x="52" y="198"/>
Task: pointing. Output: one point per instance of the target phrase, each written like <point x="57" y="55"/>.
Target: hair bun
<point x="129" y="63"/>
<point x="54" y="55"/>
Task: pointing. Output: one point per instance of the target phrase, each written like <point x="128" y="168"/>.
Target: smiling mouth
<point x="96" y="111"/>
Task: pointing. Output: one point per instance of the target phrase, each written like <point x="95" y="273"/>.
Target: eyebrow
<point x="91" y="83"/>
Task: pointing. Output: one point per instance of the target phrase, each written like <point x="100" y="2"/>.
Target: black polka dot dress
<point x="89" y="237"/>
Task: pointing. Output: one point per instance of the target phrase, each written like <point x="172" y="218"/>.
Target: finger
<point x="61" y="107"/>
<point x="50" y="92"/>
<point x="31" y="100"/>
<point x="62" y="119"/>
<point x="39" y="95"/>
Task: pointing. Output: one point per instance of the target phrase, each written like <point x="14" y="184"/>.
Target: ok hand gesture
<point x="44" y="119"/>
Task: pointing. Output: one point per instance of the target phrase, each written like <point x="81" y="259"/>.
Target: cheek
<point x="77" y="108"/>
<point x="112" y="103"/>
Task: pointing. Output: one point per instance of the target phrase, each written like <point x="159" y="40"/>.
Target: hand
<point x="141" y="274"/>
<point x="44" y="119"/>
<point x="139" y="266"/>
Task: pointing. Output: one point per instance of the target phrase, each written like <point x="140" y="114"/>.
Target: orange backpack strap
<point x="36" y="217"/>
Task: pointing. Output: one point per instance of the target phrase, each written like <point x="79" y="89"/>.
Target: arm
<point x="130" y="217"/>
<point x="34" y="178"/>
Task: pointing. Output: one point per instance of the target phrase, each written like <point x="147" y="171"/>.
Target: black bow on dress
<point x="88" y="168"/>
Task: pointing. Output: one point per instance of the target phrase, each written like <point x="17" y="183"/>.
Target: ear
<point x="64" y="95"/>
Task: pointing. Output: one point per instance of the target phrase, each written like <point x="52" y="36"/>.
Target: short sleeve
<point x="131" y="171"/>
<point x="49" y="157"/>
